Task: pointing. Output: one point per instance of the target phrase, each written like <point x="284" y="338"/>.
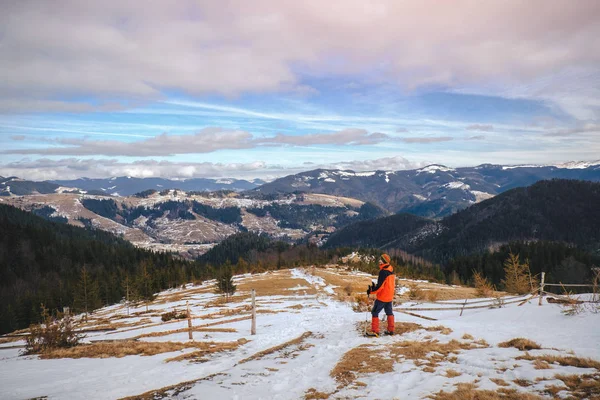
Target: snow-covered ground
<point x="304" y="332"/>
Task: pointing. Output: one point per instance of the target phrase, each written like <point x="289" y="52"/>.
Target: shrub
<point x="517" y="276"/>
<point x="173" y="315"/>
<point x="483" y="287"/>
<point x="52" y="333"/>
<point x="416" y="293"/>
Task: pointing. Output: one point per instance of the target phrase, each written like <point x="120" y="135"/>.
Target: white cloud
<point x="585" y="129"/>
<point x="136" y="52"/>
<point x="425" y="140"/>
<point x="207" y="140"/>
<point x="480" y="127"/>
<point x="73" y="168"/>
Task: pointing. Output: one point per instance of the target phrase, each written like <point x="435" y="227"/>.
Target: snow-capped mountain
<point x="433" y="191"/>
<point x="190" y="222"/>
<point x="127" y="186"/>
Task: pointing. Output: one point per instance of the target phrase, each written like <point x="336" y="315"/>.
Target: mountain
<point x="435" y="191"/>
<point x="383" y="232"/>
<point x="19" y="187"/>
<point x="191" y="222"/>
<point x="555" y="210"/>
<point x="127" y="186"/>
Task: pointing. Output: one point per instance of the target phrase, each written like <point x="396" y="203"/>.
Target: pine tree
<point x="87" y="293"/>
<point x="224" y="283"/>
<point x="517" y="276"/>
<point x="144" y="285"/>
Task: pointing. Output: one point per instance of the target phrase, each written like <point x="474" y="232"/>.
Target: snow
<point x="567" y="165"/>
<point x="288" y="373"/>
<point x="432" y="169"/>
<point x="457" y="185"/>
<point x="329" y="180"/>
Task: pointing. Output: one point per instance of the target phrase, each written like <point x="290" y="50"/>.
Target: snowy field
<point x="310" y="345"/>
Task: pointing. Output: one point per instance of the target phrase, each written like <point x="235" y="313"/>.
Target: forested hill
<point x="555" y="210"/>
<point x="393" y="231"/>
<point x="42" y="262"/>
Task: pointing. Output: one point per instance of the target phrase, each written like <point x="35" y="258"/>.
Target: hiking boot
<point x="372" y="334"/>
<point x="388" y="333"/>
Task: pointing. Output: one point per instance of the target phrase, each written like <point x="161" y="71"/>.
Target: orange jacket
<point x="386" y="283"/>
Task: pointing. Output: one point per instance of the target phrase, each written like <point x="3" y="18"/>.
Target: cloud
<point x="103" y="50"/>
<point x="477" y="137"/>
<point x="479" y="127"/>
<point x="587" y="128"/>
<point x="73" y="168"/>
<point x="425" y="140"/>
<point x="386" y="164"/>
<point x="207" y="140"/>
<point x="18" y="137"/>
<point x="343" y="137"/>
<point x="401" y="130"/>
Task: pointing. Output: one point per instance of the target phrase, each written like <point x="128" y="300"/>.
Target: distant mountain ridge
<point x="434" y="191"/>
<point x="126" y="186"/>
<point x="121" y="186"/>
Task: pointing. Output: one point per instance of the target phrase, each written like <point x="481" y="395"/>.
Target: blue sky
<point x="261" y="91"/>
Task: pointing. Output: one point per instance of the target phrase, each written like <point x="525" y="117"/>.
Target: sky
<point x="264" y="89"/>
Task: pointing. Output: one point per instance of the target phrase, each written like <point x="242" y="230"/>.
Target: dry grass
<point x="540" y="364"/>
<point x="466" y="336"/>
<point x="223" y="301"/>
<point x="210" y="349"/>
<point x="12" y="339"/>
<point x="227" y="312"/>
<point x="182" y="330"/>
<point x="523" y="382"/>
<point x="228" y="321"/>
<point x="439" y="328"/>
<point x="450" y="373"/>
<point x="431" y="352"/>
<point x="345" y="284"/>
<point x="582" y="387"/>
<point x="565" y="361"/>
<point x="122" y="349"/>
<point x="274" y="284"/>
<point x="363" y="359"/>
<point x="468" y="391"/>
<point x="273" y="349"/>
<point x="296" y="307"/>
<point x="442" y="292"/>
<point x="170" y="391"/>
<point x="521" y="344"/>
<point x="401" y="328"/>
<point x="499" y="382"/>
<point x="313" y="394"/>
<point x="186" y="294"/>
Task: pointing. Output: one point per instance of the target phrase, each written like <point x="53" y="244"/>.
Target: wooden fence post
<point x="542" y="288"/>
<point x="189" y="318"/>
<point x="253" y="330"/>
<point x="463" y="307"/>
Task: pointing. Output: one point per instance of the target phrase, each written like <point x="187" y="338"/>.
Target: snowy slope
<point x="305" y="331"/>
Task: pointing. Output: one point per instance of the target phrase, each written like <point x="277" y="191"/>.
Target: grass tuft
<point x="521" y="344"/>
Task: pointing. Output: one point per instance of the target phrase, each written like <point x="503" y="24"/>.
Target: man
<point x="385" y="290"/>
